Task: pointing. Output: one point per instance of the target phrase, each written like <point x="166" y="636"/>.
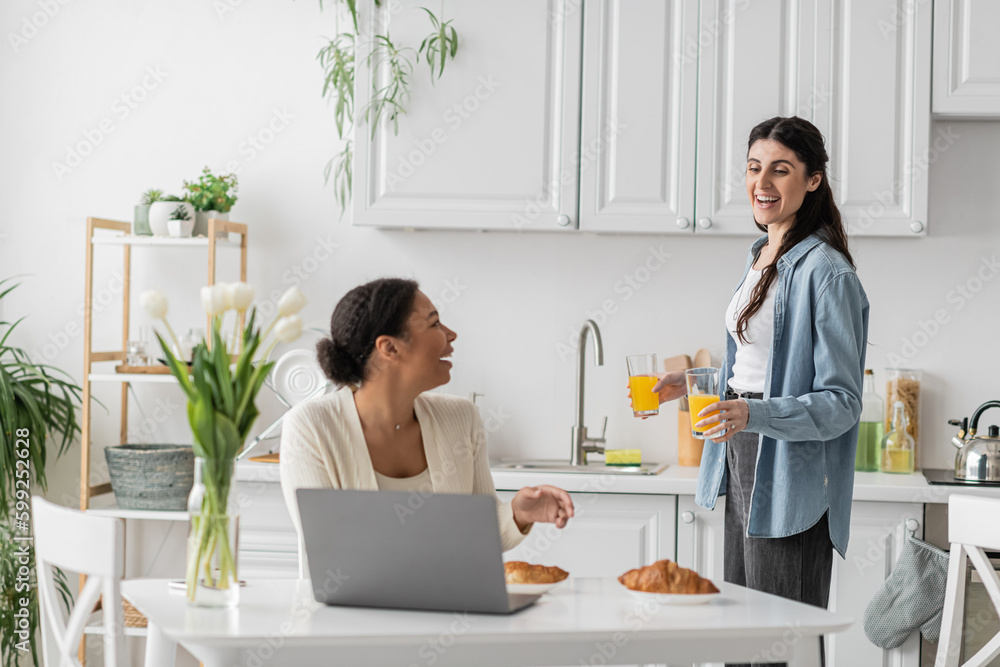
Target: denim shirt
<point x="808" y="419"/>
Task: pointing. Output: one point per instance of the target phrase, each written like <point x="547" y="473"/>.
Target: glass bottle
<point x="897" y="446"/>
<point x="870" y="431"/>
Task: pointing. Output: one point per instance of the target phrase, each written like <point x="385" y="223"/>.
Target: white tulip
<point x="213" y="299"/>
<point x="155" y="303"/>
<point x="291" y="302"/>
<point x="288" y="328"/>
<point x="228" y="295"/>
<point x="239" y="296"/>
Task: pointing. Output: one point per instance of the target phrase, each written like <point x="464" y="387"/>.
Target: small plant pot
<point x="180" y="228"/>
<point x="201" y="223"/>
<point x="161" y="212"/>
<point x="140" y="221"/>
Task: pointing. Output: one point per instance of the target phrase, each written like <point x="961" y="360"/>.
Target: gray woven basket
<point x="151" y="477"/>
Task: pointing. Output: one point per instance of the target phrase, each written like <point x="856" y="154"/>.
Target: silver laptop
<point x="438" y="552"/>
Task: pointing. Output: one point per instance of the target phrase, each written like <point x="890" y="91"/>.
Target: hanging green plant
<point x="439" y="45"/>
<point x="340" y="168"/>
<point x="389" y="101"/>
<point x="337" y="61"/>
<point x="386" y="103"/>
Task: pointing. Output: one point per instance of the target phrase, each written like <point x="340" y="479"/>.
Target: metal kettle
<point x="978" y="457"/>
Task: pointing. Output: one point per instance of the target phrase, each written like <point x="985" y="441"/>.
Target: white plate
<point x="531" y="589"/>
<point x="297" y="376"/>
<point x="674" y="598"/>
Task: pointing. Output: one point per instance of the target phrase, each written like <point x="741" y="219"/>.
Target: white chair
<point x="973" y="525"/>
<point x="90" y="545"/>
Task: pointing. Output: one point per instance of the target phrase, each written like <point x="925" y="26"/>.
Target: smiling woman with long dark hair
<point x="782" y="447"/>
<point x="381" y="430"/>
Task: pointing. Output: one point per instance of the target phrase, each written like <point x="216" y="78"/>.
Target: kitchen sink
<point x="560" y="466"/>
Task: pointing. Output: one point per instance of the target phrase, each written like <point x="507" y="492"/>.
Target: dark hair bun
<point x="338" y="364"/>
<point x="378" y="308"/>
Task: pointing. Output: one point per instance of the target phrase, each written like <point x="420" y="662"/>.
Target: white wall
<point x="227" y="75"/>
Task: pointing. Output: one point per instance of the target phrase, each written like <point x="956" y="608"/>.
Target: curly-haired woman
<point x="381" y="430"/>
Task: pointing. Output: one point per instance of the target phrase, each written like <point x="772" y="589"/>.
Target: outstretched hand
<point x="542" y="504"/>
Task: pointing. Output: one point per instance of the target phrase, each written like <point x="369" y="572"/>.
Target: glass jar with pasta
<point x="903" y="384"/>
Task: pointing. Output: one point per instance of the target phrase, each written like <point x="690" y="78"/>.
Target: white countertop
<point x="680" y="480"/>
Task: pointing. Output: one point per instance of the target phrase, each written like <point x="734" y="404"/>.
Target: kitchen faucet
<point x="582" y="444"/>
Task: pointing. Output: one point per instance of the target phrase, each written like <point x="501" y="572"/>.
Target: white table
<point x="582" y="621"/>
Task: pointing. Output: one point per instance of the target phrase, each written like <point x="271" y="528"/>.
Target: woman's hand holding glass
<point x="731" y="419"/>
<point x="542" y="504"/>
<point x="670" y="387"/>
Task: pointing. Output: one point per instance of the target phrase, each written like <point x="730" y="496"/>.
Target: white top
<point x="566" y="627"/>
<point x="421" y="482"/>
<point x="750" y="365"/>
<point x="323" y="447"/>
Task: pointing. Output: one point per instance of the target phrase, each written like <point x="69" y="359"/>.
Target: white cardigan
<point x="323" y="447"/>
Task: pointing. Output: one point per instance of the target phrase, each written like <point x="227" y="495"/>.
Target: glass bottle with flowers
<point x="221" y="383"/>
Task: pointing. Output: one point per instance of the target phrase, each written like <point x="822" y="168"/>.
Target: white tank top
<point x="421" y="482"/>
<point x="750" y="366"/>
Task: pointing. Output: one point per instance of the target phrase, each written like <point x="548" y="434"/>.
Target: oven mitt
<point x="912" y="597"/>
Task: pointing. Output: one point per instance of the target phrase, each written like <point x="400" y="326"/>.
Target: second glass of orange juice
<point x="642" y="378"/>
<point x="702" y="391"/>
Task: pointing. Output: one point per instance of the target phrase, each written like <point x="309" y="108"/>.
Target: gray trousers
<point x="797" y="567"/>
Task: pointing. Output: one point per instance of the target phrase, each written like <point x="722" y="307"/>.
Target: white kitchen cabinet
<point x="966" y="79"/>
<point x="609" y="535"/>
<point x="878" y="531"/>
<point x="493" y="143"/>
<point x="268" y="543"/>
<point x="700" y="534"/>
<point x="639" y="98"/>
<point x="755" y="62"/>
<point x="668" y="103"/>
<point x="874" y="71"/>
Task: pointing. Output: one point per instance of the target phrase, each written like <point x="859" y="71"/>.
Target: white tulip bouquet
<point x="221" y="386"/>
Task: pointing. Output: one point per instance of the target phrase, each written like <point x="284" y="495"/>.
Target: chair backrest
<point x="973" y="526"/>
<point x="90" y="545"/>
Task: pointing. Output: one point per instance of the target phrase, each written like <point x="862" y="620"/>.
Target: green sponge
<point x="623" y="457"/>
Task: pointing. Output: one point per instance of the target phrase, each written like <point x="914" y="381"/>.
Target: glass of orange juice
<point x="702" y="391"/>
<point x="642" y="378"/>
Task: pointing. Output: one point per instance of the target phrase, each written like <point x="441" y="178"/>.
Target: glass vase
<point x="211" y="569"/>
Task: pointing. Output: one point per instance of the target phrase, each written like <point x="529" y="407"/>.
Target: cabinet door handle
<point x="705" y="223"/>
<point x="687" y="517"/>
<point x="912" y="526"/>
<point x="682" y="223"/>
<point x="562" y="220"/>
<point x="916" y="226"/>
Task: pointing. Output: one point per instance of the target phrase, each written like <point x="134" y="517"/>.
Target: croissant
<point x="665" y="576"/>
<point x="519" y="572"/>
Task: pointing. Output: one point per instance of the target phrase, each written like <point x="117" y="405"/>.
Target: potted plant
<point x="162" y="211"/>
<point x="181" y="221"/>
<point x="140" y="221"/>
<point x="36" y="401"/>
<point x="212" y="196"/>
<point x="221" y="386"/>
